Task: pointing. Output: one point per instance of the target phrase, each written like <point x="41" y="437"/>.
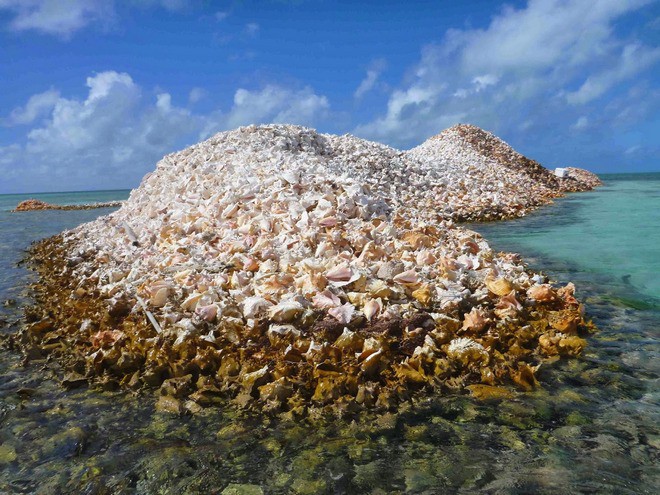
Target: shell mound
<point x="486" y="179"/>
<point x="36" y="204"/>
<point x="578" y="179"/>
<point x="296" y="271"/>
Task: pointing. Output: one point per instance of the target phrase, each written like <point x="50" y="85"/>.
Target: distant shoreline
<point x="37" y="205"/>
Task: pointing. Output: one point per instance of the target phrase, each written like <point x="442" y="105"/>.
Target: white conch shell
<point x="252" y="306"/>
<point x="191" y="302"/>
<point x="207" y="313"/>
<point x="372" y="308"/>
<point x="285" y="311"/>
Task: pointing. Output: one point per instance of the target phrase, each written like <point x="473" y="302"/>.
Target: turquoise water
<point x="592" y="426"/>
<point x="611" y="234"/>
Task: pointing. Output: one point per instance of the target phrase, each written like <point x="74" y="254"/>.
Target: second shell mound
<point x="296" y="271"/>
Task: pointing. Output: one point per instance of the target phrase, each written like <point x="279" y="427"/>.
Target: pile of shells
<point x="36" y="204"/>
<point x="578" y="179"/>
<point x="486" y="179"/>
<point x="296" y="271"/>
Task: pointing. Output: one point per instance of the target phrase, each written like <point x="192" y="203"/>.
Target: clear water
<point x="612" y="234"/>
<point x="591" y="428"/>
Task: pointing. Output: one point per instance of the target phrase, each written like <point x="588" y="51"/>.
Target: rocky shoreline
<point x="37" y="205"/>
<point x="299" y="274"/>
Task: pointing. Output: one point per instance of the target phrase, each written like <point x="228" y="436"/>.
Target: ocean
<point x="592" y="426"/>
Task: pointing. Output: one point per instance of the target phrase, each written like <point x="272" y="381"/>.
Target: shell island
<point x="301" y="274"/>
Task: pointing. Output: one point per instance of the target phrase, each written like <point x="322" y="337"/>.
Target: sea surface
<point x="592" y="427"/>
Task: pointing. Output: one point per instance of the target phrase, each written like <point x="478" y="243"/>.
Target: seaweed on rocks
<point x="294" y="273"/>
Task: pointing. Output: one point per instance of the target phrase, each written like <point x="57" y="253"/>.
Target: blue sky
<point x="94" y="92"/>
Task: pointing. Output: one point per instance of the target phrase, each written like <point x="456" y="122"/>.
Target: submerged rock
<point x="296" y="272"/>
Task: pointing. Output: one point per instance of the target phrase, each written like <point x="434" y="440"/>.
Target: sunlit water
<point x="591" y="428"/>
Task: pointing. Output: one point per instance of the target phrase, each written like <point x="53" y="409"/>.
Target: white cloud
<point x="374" y="71"/>
<point x="58" y="17"/>
<point x="522" y="67"/>
<point x="196" y="94"/>
<point x="580" y="124"/>
<point x="114" y="135"/>
<point x="482" y="82"/>
<point x="272" y="104"/>
<point x="251" y="28"/>
<point x="64" y="17"/>
<point x="37" y="106"/>
<point x="221" y="16"/>
<point x="634" y="58"/>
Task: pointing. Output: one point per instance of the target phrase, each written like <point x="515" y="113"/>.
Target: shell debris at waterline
<point x="293" y="271"/>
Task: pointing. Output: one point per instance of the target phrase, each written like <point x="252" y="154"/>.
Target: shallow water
<point x="591" y="428"/>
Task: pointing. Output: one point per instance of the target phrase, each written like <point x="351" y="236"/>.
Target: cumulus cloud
<point x="118" y="131"/>
<point x="114" y="135"/>
<point x="64" y="17"/>
<point x="58" y="17"/>
<point x="522" y="70"/>
<point x="37" y="106"/>
<point x="634" y="59"/>
<point x="374" y="71"/>
<point x="271" y="104"/>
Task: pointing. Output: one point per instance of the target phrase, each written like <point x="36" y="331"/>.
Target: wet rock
<point x="66" y="444"/>
<point x="238" y="489"/>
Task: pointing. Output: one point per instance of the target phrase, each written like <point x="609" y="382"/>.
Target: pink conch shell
<point x="325" y="300"/>
<point x="328" y="222"/>
<point x="207" y="313"/>
<point x="409" y="277"/>
<point x="474" y="320"/>
<point x="343" y="314"/>
<point x="342" y="273"/>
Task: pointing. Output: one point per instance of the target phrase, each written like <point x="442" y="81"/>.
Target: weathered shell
<point x="325" y="300"/>
<point x="343" y="314"/>
<point x="423" y="294"/>
<point x="372" y="308"/>
<point x="467" y="351"/>
<point x="543" y="293"/>
<point x="500" y="286"/>
<point x="160" y="297"/>
<point x="339" y="274"/>
<point x="253" y="306"/>
<point x="191" y="302"/>
<point x="207" y="313"/>
<point x="285" y="311"/>
<point x="349" y="340"/>
<point x="409" y="277"/>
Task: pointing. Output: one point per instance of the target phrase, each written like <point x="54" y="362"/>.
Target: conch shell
<point x="500" y="286"/>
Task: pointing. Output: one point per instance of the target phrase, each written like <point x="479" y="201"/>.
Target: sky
<point x="94" y="92"/>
